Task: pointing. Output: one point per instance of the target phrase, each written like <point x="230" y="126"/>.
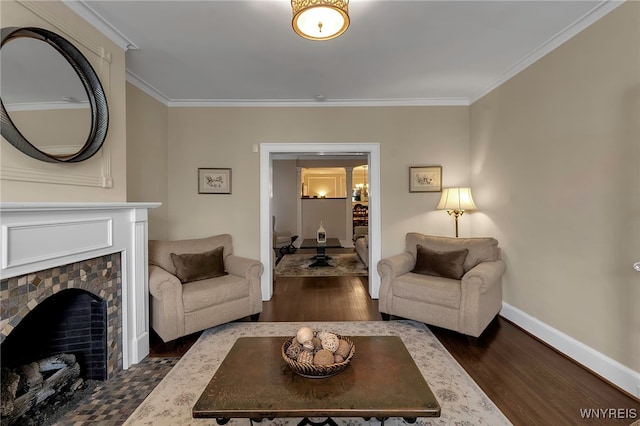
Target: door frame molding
<point x="267" y="256"/>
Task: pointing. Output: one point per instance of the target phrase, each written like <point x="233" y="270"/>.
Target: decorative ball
<point x="323" y="357"/>
<point x="321" y="334"/>
<point x="343" y="349"/>
<point x="337" y="358"/>
<point x="308" y="346"/>
<point x="305" y="357"/>
<point x="304" y="334"/>
<point x="330" y="342"/>
<point x="294" y="350"/>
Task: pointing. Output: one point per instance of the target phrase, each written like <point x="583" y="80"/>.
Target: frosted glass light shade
<point x="459" y="199"/>
<point x="320" y="19"/>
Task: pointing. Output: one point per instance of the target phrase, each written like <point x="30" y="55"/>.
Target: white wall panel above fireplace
<point x="32" y="242"/>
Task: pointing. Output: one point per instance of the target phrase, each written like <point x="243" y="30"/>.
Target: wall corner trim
<point x="613" y="371"/>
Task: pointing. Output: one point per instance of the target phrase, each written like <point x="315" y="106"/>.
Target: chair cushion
<point x="480" y="249"/>
<point x="199" y="266"/>
<point x="446" y="264"/>
<point x="202" y="294"/>
<point x="428" y="289"/>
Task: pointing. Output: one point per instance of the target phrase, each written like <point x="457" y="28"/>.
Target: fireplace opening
<point x="58" y="346"/>
<point x="71" y="321"/>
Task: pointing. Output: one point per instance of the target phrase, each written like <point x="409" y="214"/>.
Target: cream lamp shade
<point x="456" y="201"/>
<point x="320" y="19"/>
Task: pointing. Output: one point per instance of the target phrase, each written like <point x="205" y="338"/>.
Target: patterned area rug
<point x="297" y="265"/>
<point x="462" y="402"/>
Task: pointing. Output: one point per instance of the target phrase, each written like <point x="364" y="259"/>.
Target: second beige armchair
<point x="454" y="283"/>
<point x="199" y="283"/>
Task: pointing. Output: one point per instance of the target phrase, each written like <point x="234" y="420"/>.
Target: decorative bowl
<point x="317" y="371"/>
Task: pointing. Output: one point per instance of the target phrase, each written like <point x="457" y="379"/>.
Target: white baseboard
<point x="618" y="374"/>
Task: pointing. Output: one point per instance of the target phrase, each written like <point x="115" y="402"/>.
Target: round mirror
<point x="53" y="106"/>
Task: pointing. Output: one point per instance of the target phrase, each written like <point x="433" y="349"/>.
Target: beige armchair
<point x="453" y="283"/>
<point x="197" y="284"/>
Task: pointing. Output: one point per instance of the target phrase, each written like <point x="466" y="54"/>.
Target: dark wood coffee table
<point x="321" y="258"/>
<point x="254" y="382"/>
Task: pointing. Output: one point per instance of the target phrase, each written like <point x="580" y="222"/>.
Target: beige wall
<point x="555" y="169"/>
<point x="223" y="137"/>
<point x="34" y="177"/>
<point x="286" y="193"/>
<point x="330" y="212"/>
<point x="147" y="159"/>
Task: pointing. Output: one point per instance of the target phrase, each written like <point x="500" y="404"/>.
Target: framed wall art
<point x="214" y="181"/>
<point x="425" y="179"/>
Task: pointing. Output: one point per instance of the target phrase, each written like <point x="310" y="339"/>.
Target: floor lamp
<point x="456" y="201"/>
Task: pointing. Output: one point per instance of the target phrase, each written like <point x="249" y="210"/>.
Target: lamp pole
<point x="456" y="214"/>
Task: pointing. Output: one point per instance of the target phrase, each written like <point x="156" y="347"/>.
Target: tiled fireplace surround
<point x="97" y="247"/>
<point x="99" y="276"/>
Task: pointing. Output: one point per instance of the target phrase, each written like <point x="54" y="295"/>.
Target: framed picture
<point x="425" y="179"/>
<point x="214" y="181"/>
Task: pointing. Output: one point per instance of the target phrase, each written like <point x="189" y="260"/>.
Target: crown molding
<point x="313" y="103"/>
<point x="553" y="43"/>
<point x="225" y="103"/>
<point x="82" y="8"/>
<point x="45" y="106"/>
<point x="147" y="88"/>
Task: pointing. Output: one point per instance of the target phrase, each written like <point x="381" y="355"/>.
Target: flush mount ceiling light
<point x="320" y="19"/>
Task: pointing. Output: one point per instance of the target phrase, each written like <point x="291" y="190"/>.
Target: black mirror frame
<point x="91" y="83"/>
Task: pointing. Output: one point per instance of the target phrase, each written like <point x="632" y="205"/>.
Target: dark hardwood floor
<point x="321" y="299"/>
<point x="530" y="382"/>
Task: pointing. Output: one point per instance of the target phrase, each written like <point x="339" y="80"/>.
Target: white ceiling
<point x="244" y="52"/>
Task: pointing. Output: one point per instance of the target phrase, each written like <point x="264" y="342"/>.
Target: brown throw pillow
<point x="199" y="266"/>
<point x="447" y="264"/>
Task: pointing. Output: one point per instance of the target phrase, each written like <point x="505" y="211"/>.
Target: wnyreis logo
<point x="609" y="413"/>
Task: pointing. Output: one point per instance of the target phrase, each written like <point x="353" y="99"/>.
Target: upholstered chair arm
<point x="251" y="270"/>
<point x="162" y="284"/>
<point x="166" y="302"/>
<point x="481" y="296"/>
<point x="242" y="266"/>
<point x="396" y="265"/>
<point x="389" y="268"/>
<point x="484" y="275"/>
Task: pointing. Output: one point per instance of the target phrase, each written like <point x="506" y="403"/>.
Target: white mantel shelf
<point x="30" y="207"/>
<point x="39" y="236"/>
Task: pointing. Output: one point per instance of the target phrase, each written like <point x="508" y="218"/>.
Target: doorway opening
<point x="271" y="151"/>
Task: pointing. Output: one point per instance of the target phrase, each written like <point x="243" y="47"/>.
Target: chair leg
<point x="255" y="317"/>
<point x="291" y="248"/>
<point x="473" y="341"/>
<point x="385" y="316"/>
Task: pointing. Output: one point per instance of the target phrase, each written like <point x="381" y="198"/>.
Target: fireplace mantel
<point x="38" y="236"/>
